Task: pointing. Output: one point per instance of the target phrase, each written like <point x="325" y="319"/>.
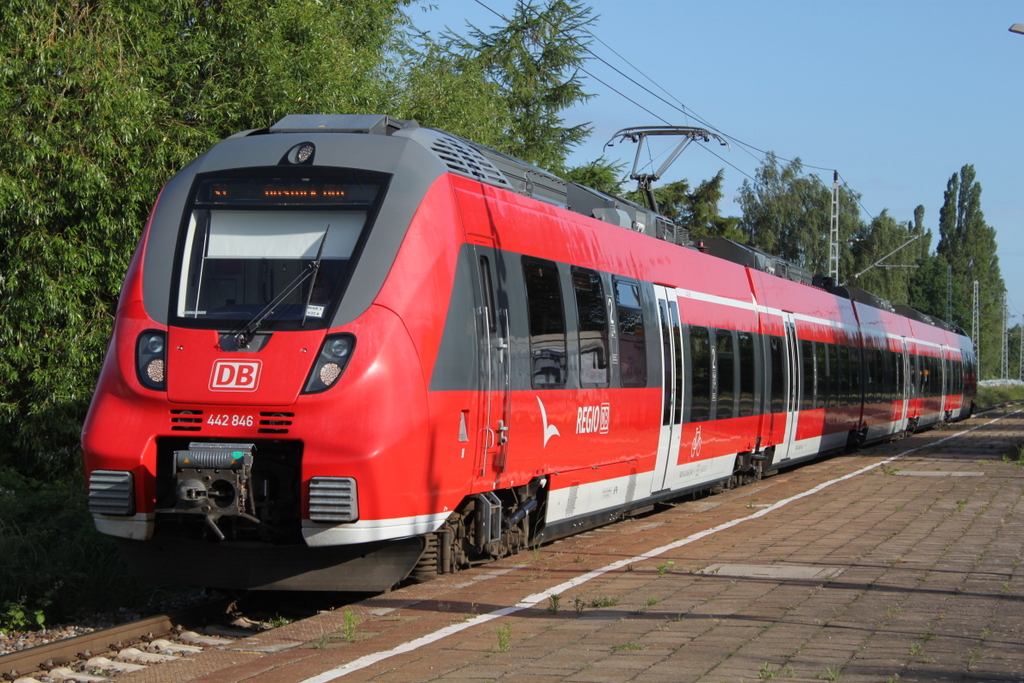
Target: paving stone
<point x="930" y="589"/>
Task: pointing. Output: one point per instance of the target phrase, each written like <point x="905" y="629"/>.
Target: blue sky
<point x="896" y="95"/>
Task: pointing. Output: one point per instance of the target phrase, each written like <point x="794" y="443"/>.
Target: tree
<point x="968" y="244"/>
<point x="455" y="95"/>
<point x="881" y="243"/>
<point x="927" y="288"/>
<point x="787" y="213"/>
<point x="101" y="102"/>
<point x="600" y="174"/>
<point x="696" y="209"/>
<point x="535" y="60"/>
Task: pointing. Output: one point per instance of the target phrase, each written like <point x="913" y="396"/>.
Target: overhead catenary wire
<point x="677" y="106"/>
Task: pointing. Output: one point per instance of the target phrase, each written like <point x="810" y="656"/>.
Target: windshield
<point x="252" y="241"/>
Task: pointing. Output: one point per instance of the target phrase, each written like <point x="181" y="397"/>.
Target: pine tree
<point x="535" y="60"/>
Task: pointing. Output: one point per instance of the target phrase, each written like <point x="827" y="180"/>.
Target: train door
<point x="495" y="366"/>
<point x="904" y="387"/>
<point x="791" y="391"/>
<point x="944" y="351"/>
<point x="672" y="386"/>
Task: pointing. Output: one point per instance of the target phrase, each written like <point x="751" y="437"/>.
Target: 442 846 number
<point x="225" y="420"/>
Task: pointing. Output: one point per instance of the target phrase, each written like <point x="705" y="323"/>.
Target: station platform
<point x="898" y="563"/>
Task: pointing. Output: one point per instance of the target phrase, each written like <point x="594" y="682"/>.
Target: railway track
<point x="107" y="652"/>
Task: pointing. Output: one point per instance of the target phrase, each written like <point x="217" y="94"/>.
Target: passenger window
<point x="700" y="359"/>
<point x="807" y="356"/>
<point x="833" y="375"/>
<point x="778" y="383"/>
<point x="725" y="367"/>
<point x="547" y="323"/>
<point x="747" y="373"/>
<point x="844" y="376"/>
<point x="871" y="390"/>
<point x="593" y="327"/>
<point x="821" y="368"/>
<point x="632" y="342"/>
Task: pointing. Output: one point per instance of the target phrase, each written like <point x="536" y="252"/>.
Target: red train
<point x="351" y="350"/>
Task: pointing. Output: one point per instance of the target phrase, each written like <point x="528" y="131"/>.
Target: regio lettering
<point x="593" y="419"/>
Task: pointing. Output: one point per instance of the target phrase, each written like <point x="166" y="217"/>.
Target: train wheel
<point x="427" y="567"/>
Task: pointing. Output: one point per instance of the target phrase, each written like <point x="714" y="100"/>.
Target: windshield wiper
<point x="316" y="270"/>
<point x="250" y="329"/>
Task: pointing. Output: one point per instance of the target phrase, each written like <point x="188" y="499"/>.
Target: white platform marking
<point x="537" y="598"/>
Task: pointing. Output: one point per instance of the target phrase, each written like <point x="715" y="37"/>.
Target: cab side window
<point x="632" y="342"/>
<point x="592" y="314"/>
<point x="547" y="323"/>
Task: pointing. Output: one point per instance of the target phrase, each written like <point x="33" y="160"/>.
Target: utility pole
<point x="974" y="330"/>
<point x="1005" y="370"/>
<point x="1020" y="361"/>
<point x="833" y="235"/>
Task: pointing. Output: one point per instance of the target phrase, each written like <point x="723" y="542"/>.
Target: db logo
<point x="235" y="375"/>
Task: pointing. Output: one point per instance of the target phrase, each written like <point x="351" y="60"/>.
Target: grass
<point x="767" y="673"/>
<point x="504" y="637"/>
<point x="628" y="646"/>
<point x="55" y="565"/>
<point x="1015" y="456"/>
<point x="278" y="621"/>
<point x="350" y="631"/>
<point x="604" y="601"/>
<point x="831" y="674"/>
<point x="992" y="396"/>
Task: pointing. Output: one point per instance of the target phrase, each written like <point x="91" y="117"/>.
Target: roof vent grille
<point x="464" y="160"/>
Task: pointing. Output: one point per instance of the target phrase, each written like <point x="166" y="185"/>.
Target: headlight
<point x="334" y="355"/>
<point x="150" y="359"/>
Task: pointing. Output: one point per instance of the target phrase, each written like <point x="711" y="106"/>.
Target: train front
<point x="256" y="407"/>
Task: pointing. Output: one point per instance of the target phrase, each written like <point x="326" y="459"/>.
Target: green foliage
<point x="1015" y="455"/>
<point x="504" y="637"/>
<point x="787" y="213"/>
<point x="534" y="59"/>
<point x="604" y="601"/>
<point x="885" y="258"/>
<point x="696" y="209"/>
<point x="101" y="103"/>
<point x="53" y="562"/>
<point x="350" y="631"/>
<point x="601" y="175"/>
<point x="998" y="395"/>
<point x="455" y="95"/>
<point x="968" y="244"/>
<point x="16" y="616"/>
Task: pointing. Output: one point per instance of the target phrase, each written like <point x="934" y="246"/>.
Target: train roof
<point x="488" y="165"/>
